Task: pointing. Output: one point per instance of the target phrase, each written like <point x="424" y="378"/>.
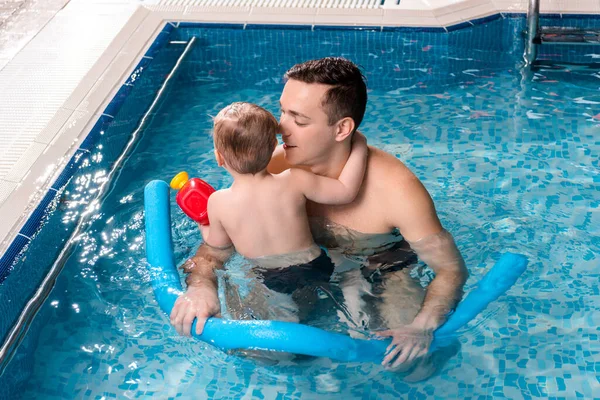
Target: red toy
<point x="192" y="196"/>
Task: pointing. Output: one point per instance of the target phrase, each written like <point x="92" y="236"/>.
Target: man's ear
<point x="219" y="158"/>
<point x="344" y="129"/>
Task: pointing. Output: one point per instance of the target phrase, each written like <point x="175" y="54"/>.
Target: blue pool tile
<point x="551" y="16"/>
<point x="210" y="25"/>
<point x="413" y="29"/>
<point x="278" y="26"/>
<point x="479" y="21"/>
<point x="158" y="43"/>
<point x="514" y="15"/>
<point x="35" y="220"/>
<point x="346" y="28"/>
<point x="99" y="128"/>
<point x="456" y="27"/>
<point x="580" y="16"/>
<point x="138" y="70"/>
<point x="115" y="105"/>
<point x="8" y="259"/>
<point x="69" y="170"/>
<point x="168" y="27"/>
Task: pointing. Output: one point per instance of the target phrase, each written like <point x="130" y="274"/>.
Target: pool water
<point x="510" y="158"/>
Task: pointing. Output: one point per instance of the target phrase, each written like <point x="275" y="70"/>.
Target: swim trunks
<point x="287" y="279"/>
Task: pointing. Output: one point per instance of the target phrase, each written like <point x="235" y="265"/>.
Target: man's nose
<point x="282" y="127"/>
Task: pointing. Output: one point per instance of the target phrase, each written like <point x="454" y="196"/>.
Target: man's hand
<point x="201" y="302"/>
<point x="408" y="343"/>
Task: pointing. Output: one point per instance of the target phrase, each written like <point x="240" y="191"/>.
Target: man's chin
<point x="291" y="158"/>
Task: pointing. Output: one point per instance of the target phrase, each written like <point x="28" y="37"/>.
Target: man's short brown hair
<point x="347" y="96"/>
<point x="245" y="135"/>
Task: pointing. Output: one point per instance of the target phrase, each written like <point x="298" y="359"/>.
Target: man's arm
<point x="417" y="220"/>
<point x="412" y="211"/>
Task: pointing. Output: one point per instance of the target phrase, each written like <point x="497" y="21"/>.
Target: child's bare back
<point x="263" y="214"/>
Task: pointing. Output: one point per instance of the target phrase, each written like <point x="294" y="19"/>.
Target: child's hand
<point x="359" y="148"/>
<point x="359" y="138"/>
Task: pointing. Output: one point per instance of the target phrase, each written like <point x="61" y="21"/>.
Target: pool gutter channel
<point x="19" y="329"/>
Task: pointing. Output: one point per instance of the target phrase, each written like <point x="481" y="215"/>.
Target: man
<point x="322" y="104"/>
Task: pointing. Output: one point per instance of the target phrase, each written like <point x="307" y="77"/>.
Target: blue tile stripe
<point x="11" y="254"/>
<point x="437" y="29"/>
<point x="34" y="222"/>
<point x="99" y="128"/>
<point x="450" y="28"/>
<point x="46" y="205"/>
<point x="490" y="18"/>
<point x="185" y="24"/>
<point x="37" y="217"/>
<point x="279" y="26"/>
<point x="514" y="15"/>
<point x="347" y="28"/>
<point x="68" y="171"/>
<point x="159" y="42"/>
<point x="551" y="16"/>
<point x="461" y="25"/>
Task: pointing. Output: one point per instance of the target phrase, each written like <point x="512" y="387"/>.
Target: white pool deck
<point x="62" y="61"/>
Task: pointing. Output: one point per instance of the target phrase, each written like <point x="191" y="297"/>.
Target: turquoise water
<point x="510" y="159"/>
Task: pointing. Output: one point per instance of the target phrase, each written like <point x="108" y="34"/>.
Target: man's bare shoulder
<point x="388" y="170"/>
<point x="408" y="203"/>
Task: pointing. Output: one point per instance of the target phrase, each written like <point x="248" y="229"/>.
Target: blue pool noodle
<point x="288" y="336"/>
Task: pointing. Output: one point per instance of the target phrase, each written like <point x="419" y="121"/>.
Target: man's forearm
<point x="444" y="292"/>
<point x="201" y="267"/>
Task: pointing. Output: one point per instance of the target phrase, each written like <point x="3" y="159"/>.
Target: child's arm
<point x="214" y="234"/>
<point x="343" y="190"/>
<point x="201" y="300"/>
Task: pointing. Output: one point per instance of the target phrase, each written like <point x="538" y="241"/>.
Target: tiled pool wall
<point x="220" y="53"/>
<point x="427" y="54"/>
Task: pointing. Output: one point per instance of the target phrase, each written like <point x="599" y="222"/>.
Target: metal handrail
<point x="533" y="24"/>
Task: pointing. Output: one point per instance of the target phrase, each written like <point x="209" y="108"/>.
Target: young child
<point x="264" y="215"/>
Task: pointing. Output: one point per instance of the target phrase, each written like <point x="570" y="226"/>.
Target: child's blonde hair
<point x="245" y="135"/>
